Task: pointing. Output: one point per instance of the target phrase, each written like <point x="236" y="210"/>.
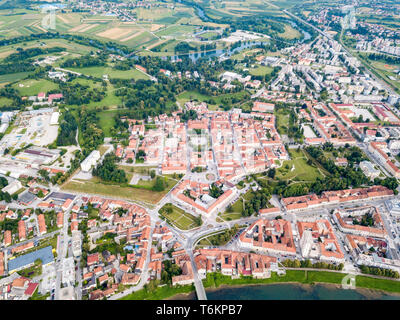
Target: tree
<point x="108" y="171"/>
<point x="159" y="184"/>
<point x="271" y="173"/>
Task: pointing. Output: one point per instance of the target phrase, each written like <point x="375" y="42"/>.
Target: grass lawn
<point x="290" y="33"/>
<point x="110" y="100"/>
<point x="37" y="296"/>
<point x="261" y="70"/>
<point x="186" y="96"/>
<point x="228" y="216"/>
<point x="95" y="186"/>
<point x="138" y="169"/>
<point x="98" y="72"/>
<point x="179" y="217"/>
<point x="301" y="172"/>
<point x="237" y="207"/>
<point x="379" y="284"/>
<point x="5" y="102"/>
<point x="32" y="87"/>
<point x="5" y="78"/>
<point x="159" y="293"/>
<point x="103" y="149"/>
<point x="387" y="72"/>
<point x="236" y="213"/>
<point x="382" y="70"/>
<point x="107" y="121"/>
<point x="31" y="272"/>
<point x="214" y="280"/>
<point x="212" y="101"/>
<point x="282" y="120"/>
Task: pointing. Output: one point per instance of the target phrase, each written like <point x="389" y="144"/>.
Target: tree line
<point x="108" y="170"/>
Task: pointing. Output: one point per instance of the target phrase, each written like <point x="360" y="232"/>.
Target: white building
<point x="68" y="271"/>
<point x="3" y="127"/>
<point x="67" y="293"/>
<point x="393" y="206"/>
<point x="231" y="76"/>
<point x="54" y="118"/>
<point x="306" y="243"/>
<point x="12" y="187"/>
<point x="90" y="161"/>
<point x="76" y="244"/>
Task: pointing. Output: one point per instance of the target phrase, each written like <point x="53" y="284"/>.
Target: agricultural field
<point x="7" y="78"/>
<point x="235" y="8"/>
<point x="20" y="22"/>
<point x="71" y="47"/>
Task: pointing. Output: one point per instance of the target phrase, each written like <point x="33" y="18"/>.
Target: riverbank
<point x="365" y="285"/>
<point x="308" y="277"/>
<point x="288" y="291"/>
<point x="159" y="293"/>
<point x="370" y="286"/>
<point x="295" y="291"/>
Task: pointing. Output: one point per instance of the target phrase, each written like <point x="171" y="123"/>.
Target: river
<point x="291" y="292"/>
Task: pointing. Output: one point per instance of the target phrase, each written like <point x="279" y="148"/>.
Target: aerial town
<point x="126" y="175"/>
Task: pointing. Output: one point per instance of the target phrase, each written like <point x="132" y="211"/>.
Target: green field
<point x="107" y="121"/>
<point x="5" y="78"/>
<point x="382" y="70"/>
<point x="214" y="280"/>
<point x="301" y="172"/>
<point x="261" y="71"/>
<point x="98" y="72"/>
<point x="290" y="33"/>
<point x="95" y="186"/>
<point x="179" y="217"/>
<point x="5" y="102"/>
<point x="212" y="101"/>
<point x="282" y="120"/>
<point x="32" y="87"/>
<point x="237" y="208"/>
<point x="159" y="293"/>
<point x="110" y="101"/>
